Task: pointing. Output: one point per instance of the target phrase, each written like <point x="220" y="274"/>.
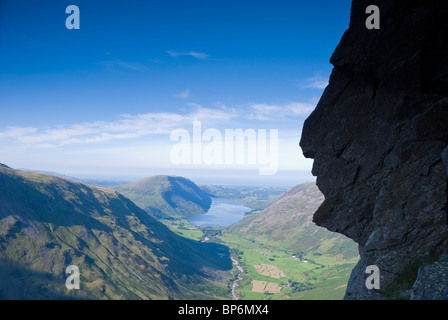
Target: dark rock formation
<point x="432" y="281"/>
<point x="377" y="137"/>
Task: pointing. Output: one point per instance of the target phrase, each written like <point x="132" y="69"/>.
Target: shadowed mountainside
<point x="48" y="223"/>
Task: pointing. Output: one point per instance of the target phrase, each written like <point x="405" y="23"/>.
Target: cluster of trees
<point x="300" y="286"/>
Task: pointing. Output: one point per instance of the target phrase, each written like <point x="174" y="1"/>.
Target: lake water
<point x="222" y="213"/>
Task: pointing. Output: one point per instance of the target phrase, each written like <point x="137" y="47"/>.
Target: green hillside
<point x="285" y="255"/>
<point x="288" y="224"/>
<point x="48" y="223"/>
<point x="167" y="196"/>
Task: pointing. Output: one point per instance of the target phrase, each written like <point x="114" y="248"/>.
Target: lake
<point x="222" y="213"/>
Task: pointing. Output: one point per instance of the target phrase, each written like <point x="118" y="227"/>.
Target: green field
<point x="277" y="230"/>
<point x="296" y="259"/>
<point x="322" y="277"/>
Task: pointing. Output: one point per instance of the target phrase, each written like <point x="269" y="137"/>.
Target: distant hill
<point x="48" y="223"/>
<point x="255" y="197"/>
<point x="287" y="223"/>
<point x="167" y="196"/>
<point x="89" y="181"/>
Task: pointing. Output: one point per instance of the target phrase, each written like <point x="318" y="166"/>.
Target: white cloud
<point x="263" y="111"/>
<point x="319" y="81"/>
<point x="147" y="131"/>
<point x="194" y="105"/>
<point x="126" y="127"/>
<point x="184" y="94"/>
<point x="300" y="108"/>
<point x="15" y="132"/>
<point x="197" y="55"/>
<point x="141" y="140"/>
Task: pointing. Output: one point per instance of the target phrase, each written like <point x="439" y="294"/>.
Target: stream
<point x="235" y="282"/>
<point x="222" y="213"/>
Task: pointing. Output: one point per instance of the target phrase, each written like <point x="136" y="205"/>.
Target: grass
<point x="167" y="196"/>
<point x="402" y="284"/>
<point x="323" y="277"/>
<point x="182" y="228"/>
<point x="324" y="259"/>
<point x="123" y="253"/>
<point x="48" y="223"/>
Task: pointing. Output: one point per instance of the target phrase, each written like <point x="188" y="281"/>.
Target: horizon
<point x="199" y="177"/>
<point x="104" y="100"/>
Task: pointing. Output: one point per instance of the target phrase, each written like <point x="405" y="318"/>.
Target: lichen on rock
<point x="432" y="281"/>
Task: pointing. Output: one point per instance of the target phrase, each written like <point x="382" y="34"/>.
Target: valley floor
<point x="262" y="271"/>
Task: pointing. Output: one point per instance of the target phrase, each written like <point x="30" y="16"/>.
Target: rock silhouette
<point x="378" y="137"/>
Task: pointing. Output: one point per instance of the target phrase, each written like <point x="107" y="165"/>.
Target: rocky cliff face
<point x="379" y="137"/>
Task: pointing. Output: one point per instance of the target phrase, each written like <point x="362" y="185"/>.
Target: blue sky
<point x="102" y="100"/>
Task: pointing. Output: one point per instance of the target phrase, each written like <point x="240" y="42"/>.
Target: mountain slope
<point x="48" y="223"/>
<point x="288" y="224"/>
<point x="167" y="196"/>
<point x="96" y="182"/>
<point x="285" y="256"/>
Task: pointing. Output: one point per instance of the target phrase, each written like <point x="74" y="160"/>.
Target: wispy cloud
<point x="197" y="55"/>
<point x="184" y="94"/>
<point x="194" y="105"/>
<point x="263" y="111"/>
<point x="318" y="81"/>
<point x="126" y="127"/>
<point x="135" y="126"/>
<point x="114" y="64"/>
